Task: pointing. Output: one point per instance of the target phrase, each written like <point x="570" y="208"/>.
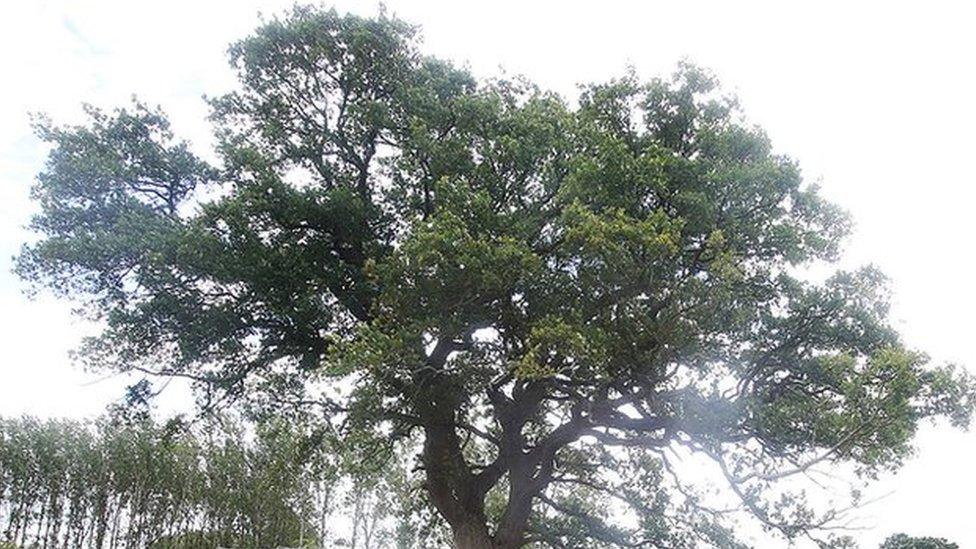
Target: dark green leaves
<point x="111" y="197"/>
<point x="541" y="290"/>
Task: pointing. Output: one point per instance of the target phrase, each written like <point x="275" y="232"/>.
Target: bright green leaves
<point x="450" y="276"/>
<point x="611" y="271"/>
<point x="617" y="233"/>
<point x="614" y="244"/>
<point x="555" y="348"/>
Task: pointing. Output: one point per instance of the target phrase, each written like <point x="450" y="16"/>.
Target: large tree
<point x="555" y="299"/>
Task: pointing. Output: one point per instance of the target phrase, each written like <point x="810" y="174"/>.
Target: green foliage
<point x="71" y="484"/>
<point x="546" y="295"/>
<point x="902" y="541"/>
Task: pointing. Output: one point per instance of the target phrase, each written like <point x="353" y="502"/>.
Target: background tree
<point x="554" y="299"/>
<point x="115" y="485"/>
<point x="902" y="541"/>
<point x="216" y="482"/>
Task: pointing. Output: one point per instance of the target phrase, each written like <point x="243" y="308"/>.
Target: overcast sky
<point x="877" y="101"/>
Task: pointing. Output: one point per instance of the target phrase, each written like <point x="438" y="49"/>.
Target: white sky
<point x="875" y="100"/>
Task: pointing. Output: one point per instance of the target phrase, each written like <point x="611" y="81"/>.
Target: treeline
<point x="118" y="485"/>
<point x="225" y="483"/>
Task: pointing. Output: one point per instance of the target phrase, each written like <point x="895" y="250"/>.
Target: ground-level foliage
<point x="110" y="485"/>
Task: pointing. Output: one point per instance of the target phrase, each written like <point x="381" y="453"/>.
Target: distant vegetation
<point x="902" y="541"/>
<point x="139" y="484"/>
<point x="108" y="485"/>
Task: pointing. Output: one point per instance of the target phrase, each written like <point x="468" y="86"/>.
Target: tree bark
<point x="451" y="487"/>
<point x="455" y="490"/>
<point x="472" y="535"/>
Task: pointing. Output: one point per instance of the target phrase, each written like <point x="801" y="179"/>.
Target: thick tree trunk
<point x="451" y="489"/>
<point x="472" y="536"/>
<point x="456" y="492"/>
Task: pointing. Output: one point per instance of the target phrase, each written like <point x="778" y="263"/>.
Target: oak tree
<point x="553" y="297"/>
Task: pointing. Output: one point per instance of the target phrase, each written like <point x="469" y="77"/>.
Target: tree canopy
<point x="552" y="297"/>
